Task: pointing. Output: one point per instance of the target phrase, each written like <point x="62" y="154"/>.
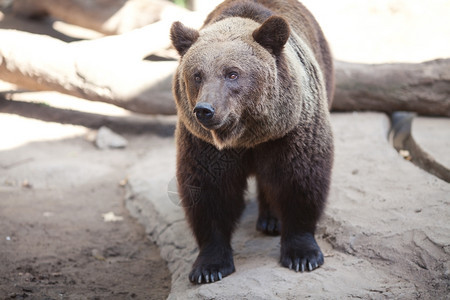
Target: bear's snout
<point x="204" y="112"/>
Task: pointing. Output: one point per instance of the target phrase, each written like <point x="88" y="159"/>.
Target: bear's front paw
<point x="268" y="224"/>
<point x="210" y="267"/>
<point x="301" y="253"/>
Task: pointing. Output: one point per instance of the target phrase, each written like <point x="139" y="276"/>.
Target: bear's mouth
<point x="217" y="123"/>
<point x="225" y="128"/>
<point x="226" y="135"/>
<point x="212" y="125"/>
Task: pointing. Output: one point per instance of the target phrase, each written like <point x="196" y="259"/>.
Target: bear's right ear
<point x="182" y="37"/>
<point x="273" y="34"/>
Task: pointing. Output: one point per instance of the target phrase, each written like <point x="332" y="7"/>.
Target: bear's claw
<point x="301" y="253"/>
<point x="268" y="224"/>
<point x="210" y="267"/>
<point x="206" y="276"/>
<point x="303" y="264"/>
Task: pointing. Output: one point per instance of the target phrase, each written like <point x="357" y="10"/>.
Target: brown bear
<point x="252" y="90"/>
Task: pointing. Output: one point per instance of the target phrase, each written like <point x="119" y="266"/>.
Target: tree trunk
<point x="422" y="88"/>
<point x="42" y="63"/>
<point x="105" y="16"/>
<point x="111" y="70"/>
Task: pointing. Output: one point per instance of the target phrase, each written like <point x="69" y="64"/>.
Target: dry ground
<point x="56" y="241"/>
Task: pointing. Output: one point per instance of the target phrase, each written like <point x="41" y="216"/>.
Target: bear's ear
<point x="272" y="34"/>
<point x="182" y="37"/>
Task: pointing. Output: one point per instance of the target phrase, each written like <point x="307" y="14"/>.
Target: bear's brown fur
<point x="252" y="90"/>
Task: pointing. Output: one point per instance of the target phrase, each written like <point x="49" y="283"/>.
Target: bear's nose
<point x="203" y="111"/>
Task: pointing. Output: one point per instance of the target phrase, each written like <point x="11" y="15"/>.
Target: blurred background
<point x="376" y="31"/>
<point x="372" y="31"/>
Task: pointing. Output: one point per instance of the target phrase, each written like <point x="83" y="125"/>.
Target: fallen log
<point x="423" y="88"/>
<point x="111" y="70"/>
<point x="42" y="63"/>
<point x="107" y="17"/>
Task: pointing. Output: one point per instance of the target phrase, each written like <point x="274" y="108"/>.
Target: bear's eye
<point x="198" y="78"/>
<point x="232" y="75"/>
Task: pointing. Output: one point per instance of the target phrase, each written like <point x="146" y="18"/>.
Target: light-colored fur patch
<point x="302" y="59"/>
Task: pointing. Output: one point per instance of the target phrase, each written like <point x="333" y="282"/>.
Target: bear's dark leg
<point x="213" y="219"/>
<point x="299" y="249"/>
<point x="211" y="185"/>
<point x="296" y="177"/>
<point x="267" y="222"/>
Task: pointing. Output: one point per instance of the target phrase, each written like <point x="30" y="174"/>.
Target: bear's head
<point x="232" y="85"/>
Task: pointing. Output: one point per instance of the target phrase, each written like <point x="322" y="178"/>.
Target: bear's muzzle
<point x="204" y="112"/>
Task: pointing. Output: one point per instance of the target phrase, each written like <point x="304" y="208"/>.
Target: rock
<point x="384" y="233"/>
<point x="106" y="138"/>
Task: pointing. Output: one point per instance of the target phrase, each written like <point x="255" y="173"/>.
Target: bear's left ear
<point x="182" y="37"/>
<point x="272" y="34"/>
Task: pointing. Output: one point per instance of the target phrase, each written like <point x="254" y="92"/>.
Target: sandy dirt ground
<point x="64" y="230"/>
